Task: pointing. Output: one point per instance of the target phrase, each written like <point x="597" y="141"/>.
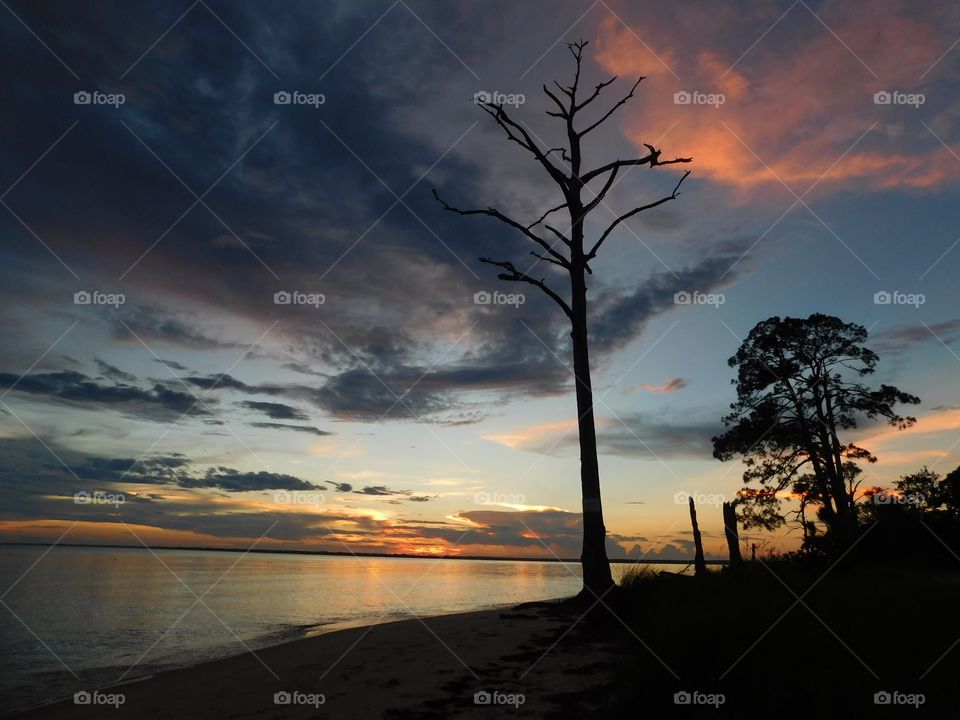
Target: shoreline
<point x="414" y="667"/>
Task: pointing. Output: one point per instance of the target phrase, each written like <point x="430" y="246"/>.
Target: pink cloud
<point x="795" y="103"/>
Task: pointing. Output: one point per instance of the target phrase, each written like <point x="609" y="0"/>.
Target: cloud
<point x="232" y="480"/>
<point x="621" y="316"/>
<point x="295" y="428"/>
<point x="907" y="336"/>
<point x="780" y="122"/>
<point x="671" y="386"/>
<point x="160" y="402"/>
<point x="276" y="411"/>
<point x="114" y="373"/>
<point x="630" y="435"/>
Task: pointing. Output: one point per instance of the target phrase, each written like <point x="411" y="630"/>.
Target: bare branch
<point x="653" y="160"/>
<point x="544" y="216"/>
<point x="576" y="49"/>
<point x="596" y="92"/>
<point x="558" y="234"/>
<point x="672" y="196"/>
<point x="563" y="108"/>
<point x="564" y="265"/>
<point x="494" y="213"/>
<point x="603" y="191"/>
<point x="512" y="128"/>
<point x="608" y="113"/>
<point x="514" y="275"/>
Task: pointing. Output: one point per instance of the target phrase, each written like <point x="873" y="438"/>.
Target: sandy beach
<point x="419" y="668"/>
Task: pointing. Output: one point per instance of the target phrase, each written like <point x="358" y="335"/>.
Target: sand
<point x="427" y="668"/>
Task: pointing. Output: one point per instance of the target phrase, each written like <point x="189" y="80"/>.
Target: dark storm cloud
<point x="301" y="202"/>
<point x="152" y="324"/>
<point x="235" y="481"/>
<point x="159" y="470"/>
<point x="158" y="402"/>
<point x="295" y="428"/>
<point x="622" y="317"/>
<point x="275" y="411"/>
<point x="381" y="490"/>
<point x="114" y="373"/>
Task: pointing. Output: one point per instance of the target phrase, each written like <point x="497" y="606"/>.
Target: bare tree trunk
<point x="699" y="566"/>
<point x="733" y="536"/>
<point x="596" y="567"/>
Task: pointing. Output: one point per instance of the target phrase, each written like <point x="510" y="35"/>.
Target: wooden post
<point x="733" y="536"/>
<point x="699" y="566"/>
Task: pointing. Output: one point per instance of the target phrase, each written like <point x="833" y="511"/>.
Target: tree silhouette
<point x="798" y="388"/>
<point x="573" y="253"/>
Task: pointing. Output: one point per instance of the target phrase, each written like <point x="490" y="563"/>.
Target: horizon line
<point x="336" y="553"/>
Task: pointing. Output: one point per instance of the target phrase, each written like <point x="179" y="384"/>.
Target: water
<point x="88" y="617"/>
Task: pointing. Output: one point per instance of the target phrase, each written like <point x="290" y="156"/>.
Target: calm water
<point x="111" y="613"/>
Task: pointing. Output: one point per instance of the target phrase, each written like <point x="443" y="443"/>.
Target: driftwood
<point x="699" y="566"/>
<point x="733" y="536"/>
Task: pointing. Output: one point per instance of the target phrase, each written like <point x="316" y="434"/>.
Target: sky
<point x="151" y="235"/>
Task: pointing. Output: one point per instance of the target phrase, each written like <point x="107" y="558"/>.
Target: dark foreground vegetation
<point x="782" y="637"/>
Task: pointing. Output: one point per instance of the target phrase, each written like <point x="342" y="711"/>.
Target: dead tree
<point x="699" y="564"/>
<point x="582" y="191"/>
<point x="732" y="534"/>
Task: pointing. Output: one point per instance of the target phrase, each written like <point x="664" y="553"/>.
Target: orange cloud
<point x="670" y="386"/>
<point x="793" y="105"/>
